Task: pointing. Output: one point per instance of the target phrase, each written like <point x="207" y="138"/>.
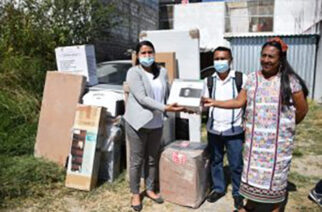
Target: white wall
<point x="208" y="17"/>
<point x="297" y="16"/>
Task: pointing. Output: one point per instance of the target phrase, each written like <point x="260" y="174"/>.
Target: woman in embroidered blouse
<point x="275" y="99"/>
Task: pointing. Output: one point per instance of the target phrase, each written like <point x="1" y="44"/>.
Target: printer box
<point x="79" y="59"/>
<point x="88" y="135"/>
<point x="187" y="93"/>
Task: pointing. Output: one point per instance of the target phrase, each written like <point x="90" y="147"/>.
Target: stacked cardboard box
<point x="184" y="173"/>
<point x="89" y="133"/>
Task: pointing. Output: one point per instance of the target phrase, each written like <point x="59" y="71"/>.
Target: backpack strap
<point x="238" y="80"/>
<point x="210" y="84"/>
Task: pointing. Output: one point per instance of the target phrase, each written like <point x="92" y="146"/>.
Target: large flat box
<point x="167" y="60"/>
<point x="187" y="93"/>
<point x="79" y="59"/>
<point x="88" y="135"/>
<point x="184" y="173"/>
<point x="62" y="93"/>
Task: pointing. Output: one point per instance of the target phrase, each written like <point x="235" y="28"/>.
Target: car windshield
<point x="112" y="73"/>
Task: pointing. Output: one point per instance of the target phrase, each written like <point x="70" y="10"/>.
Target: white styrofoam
<point x="194" y="127"/>
<point x="79" y="59"/>
<point x="208" y="17"/>
<point x="168" y="131"/>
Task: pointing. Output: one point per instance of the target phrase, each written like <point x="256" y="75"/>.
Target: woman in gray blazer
<point x="144" y="120"/>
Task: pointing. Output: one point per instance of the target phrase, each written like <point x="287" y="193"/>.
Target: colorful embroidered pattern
<point x="261" y="195"/>
<point x="268" y="140"/>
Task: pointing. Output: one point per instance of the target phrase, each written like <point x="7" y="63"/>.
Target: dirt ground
<point x="305" y="172"/>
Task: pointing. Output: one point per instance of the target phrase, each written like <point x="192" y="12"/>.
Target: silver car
<point x="112" y="74"/>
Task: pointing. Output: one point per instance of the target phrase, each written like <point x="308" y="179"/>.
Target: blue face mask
<point x="221" y="66"/>
<point x="146" y="61"/>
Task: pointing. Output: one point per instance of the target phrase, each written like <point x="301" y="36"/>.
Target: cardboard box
<point x="78" y="59"/>
<point x="187" y="93"/>
<point x="89" y="133"/>
<point x="184" y="173"/>
<point x="62" y="93"/>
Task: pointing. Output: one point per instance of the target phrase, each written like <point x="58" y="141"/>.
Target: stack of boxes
<point x="70" y="133"/>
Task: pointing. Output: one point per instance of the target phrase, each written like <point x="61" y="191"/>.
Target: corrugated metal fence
<point x="301" y="54"/>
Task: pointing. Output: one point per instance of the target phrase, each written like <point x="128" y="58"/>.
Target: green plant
<point x="30" y="30"/>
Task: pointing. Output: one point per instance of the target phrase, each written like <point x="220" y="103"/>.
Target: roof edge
<point x="265" y="34"/>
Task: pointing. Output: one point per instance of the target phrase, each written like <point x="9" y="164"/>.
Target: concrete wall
<point x="297" y="16"/>
<point x="135" y="16"/>
<point x="318" y="72"/>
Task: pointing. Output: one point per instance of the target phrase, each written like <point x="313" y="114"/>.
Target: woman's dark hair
<point x="154" y="67"/>
<point x="286" y="71"/>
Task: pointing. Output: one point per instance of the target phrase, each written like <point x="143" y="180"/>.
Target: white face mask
<point x="221" y="66"/>
<point x="146" y="61"/>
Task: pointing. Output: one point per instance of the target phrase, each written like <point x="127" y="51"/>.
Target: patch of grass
<point x="308" y="133"/>
<point x="301" y="179"/>
<point x="26" y="176"/>
<point x="304" y="208"/>
<point x="297" y="152"/>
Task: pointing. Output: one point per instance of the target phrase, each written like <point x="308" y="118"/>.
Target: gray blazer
<point x="140" y="103"/>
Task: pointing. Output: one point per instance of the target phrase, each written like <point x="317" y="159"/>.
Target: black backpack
<point x="238" y="81"/>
